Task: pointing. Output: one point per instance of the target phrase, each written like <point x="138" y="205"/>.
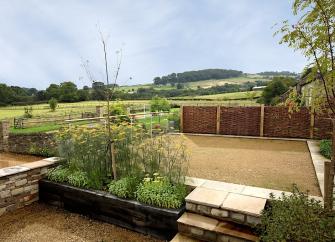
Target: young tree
<point x="53" y="104"/>
<point x="314" y="35"/>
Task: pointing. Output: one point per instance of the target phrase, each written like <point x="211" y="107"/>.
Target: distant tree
<point x="157" y="80"/>
<point x="98" y="91"/>
<point x="275" y="88"/>
<point x="83" y="95"/>
<point x="7" y="95"/>
<point x="159" y="104"/>
<point x="41" y="95"/>
<point x="53" y="104"/>
<point x="53" y="91"/>
<point x="68" y="92"/>
<point x="180" y="86"/>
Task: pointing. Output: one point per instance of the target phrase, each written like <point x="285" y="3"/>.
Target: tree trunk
<point x="113" y="160"/>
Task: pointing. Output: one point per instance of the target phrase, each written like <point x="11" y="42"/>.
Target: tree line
<point x="193" y="76"/>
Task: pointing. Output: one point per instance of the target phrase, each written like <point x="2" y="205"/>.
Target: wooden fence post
<point x="181" y="116"/>
<point x="311" y="131"/>
<point x="261" y="128"/>
<point x="218" y="116"/>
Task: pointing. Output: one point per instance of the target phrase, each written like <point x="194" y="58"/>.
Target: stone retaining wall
<point x="35" y="143"/>
<point x="19" y="184"/>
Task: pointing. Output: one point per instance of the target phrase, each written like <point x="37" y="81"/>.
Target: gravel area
<point x="40" y="222"/>
<point x="275" y="164"/>
<point x="12" y="159"/>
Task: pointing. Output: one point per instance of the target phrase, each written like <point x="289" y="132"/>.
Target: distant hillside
<point x="193" y="76"/>
<point x="278" y="73"/>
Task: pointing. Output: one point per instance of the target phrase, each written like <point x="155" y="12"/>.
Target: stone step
<point x="226" y="206"/>
<point x="212" y="230"/>
<point x="183" y="238"/>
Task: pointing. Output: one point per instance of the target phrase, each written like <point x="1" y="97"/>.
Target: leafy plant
<point x="161" y="193"/>
<point x="78" y="179"/>
<point x="41" y="151"/>
<point x="297" y="218"/>
<point x="28" y="112"/>
<point x="326" y="148"/>
<point x="174" y="116"/>
<point x="159" y="104"/>
<point x="124" y="188"/>
<point x="58" y="174"/>
<point x="53" y="104"/>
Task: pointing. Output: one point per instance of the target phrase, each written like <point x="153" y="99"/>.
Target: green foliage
<point x="85" y="150"/>
<point x="125" y="187"/>
<point x="78" y="179"/>
<point x="275" y="88"/>
<point x="326" y="148"/>
<point x="58" y="174"/>
<point x="193" y="76"/>
<point x="164" y="154"/>
<point x="159" y="104"/>
<point x="28" y="112"/>
<point x="53" y="104"/>
<point x="297" y="218"/>
<point x="44" y="151"/>
<point x="161" y="193"/>
<point x="174" y="116"/>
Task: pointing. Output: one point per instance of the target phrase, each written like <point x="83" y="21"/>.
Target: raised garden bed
<point x="158" y="222"/>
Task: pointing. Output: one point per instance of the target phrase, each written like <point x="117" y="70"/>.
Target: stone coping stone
<point x="199" y="221"/>
<point x="182" y="238"/>
<point x="244" y="204"/>
<point x="214" y="225"/>
<point x="208" y="197"/>
<point x="223" y="186"/>
<point x="12" y="170"/>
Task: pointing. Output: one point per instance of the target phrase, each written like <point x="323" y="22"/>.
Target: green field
<point x="203" y="84"/>
<point x="224" y="96"/>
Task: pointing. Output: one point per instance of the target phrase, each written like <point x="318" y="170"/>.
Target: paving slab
<point x="194" y="182"/>
<point x="223" y="186"/>
<point x="208" y="197"/>
<point x="182" y="238"/>
<point x="198" y="221"/>
<point x="235" y="231"/>
<point x="244" y="204"/>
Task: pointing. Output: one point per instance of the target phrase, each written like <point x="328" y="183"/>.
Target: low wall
<point x="255" y="121"/>
<point x="36" y="143"/>
<point x="19" y="184"/>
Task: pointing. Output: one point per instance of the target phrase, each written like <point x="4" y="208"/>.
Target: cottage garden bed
<point x="150" y="175"/>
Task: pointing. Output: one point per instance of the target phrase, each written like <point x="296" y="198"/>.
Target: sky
<point x="46" y="41"/>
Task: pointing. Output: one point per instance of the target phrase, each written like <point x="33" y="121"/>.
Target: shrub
<point x="174" y="116"/>
<point x="53" y="104"/>
<point x="161" y="193"/>
<point x="159" y="104"/>
<point x="28" y="112"/>
<point x="78" y="179"/>
<point x="124" y="188"/>
<point x="41" y="151"/>
<point x="326" y="148"/>
<point x="297" y="218"/>
<point x="58" y="174"/>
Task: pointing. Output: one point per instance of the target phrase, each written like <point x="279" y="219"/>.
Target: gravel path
<point x="39" y="222"/>
<point x="274" y="164"/>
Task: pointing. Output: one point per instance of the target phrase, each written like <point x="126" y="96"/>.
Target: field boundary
<point x="263" y="121"/>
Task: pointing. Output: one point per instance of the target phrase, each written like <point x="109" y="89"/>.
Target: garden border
<point x="157" y="222"/>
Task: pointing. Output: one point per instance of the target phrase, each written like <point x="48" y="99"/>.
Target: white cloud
<point x="44" y="41"/>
